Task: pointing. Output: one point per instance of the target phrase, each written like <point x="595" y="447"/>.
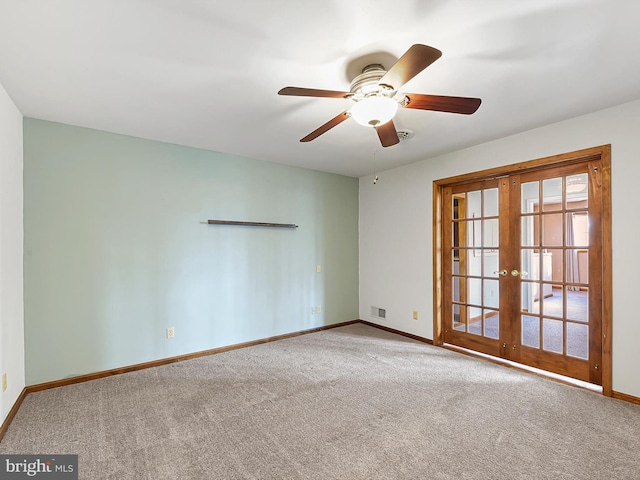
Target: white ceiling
<point x="206" y="73"/>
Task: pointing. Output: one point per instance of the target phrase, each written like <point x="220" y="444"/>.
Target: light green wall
<point x="116" y="251"/>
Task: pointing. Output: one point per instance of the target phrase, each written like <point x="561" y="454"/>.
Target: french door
<point x="522" y="267"/>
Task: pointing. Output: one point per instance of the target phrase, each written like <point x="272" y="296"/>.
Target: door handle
<point x="516" y="273"/>
<point x="502" y="273"/>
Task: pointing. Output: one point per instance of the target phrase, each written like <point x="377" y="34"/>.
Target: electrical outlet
<point x="415" y="314"/>
<point x="4" y="382"/>
<point x="318" y="269"/>
<point x="319" y="309"/>
<point x="171" y="332"/>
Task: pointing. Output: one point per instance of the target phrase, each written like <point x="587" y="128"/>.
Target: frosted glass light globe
<point x="374" y="111"/>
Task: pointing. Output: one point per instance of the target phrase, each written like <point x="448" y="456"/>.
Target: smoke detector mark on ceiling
<point x="405" y="135"/>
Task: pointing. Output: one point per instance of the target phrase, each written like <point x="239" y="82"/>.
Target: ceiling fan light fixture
<point x="374" y="111"/>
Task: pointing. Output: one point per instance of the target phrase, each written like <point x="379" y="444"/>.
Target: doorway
<point x="522" y="264"/>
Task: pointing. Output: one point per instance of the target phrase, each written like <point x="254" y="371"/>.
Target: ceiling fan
<point x="375" y="92"/>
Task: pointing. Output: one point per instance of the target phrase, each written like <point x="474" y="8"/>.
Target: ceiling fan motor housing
<point x="367" y="83"/>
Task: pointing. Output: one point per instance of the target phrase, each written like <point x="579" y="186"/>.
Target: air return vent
<point x="378" y="312"/>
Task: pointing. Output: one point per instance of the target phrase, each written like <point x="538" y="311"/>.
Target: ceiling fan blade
<point x="441" y="103"/>
<point x="414" y="60"/>
<point x="326" y="127"/>
<point x="387" y="134"/>
<point x="312" y="92"/>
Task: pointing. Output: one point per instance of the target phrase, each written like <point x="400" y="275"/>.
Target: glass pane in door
<point x="529" y="228"/>
<point x="474" y="204"/>
<point x="576" y="191"/>
<point x="475" y="320"/>
<point x="490" y="202"/>
<point x="553" y="265"/>
<point x="530" y="197"/>
<point x="458" y="289"/>
<point x="491" y="323"/>
<point x="552" y="301"/>
<point x="577" y="303"/>
<point x="491" y="293"/>
<point x="552" y="230"/>
<point x="530" y="329"/>
<point x="457" y="321"/>
<point x="552" y="335"/>
<point x="578" y="340"/>
<point x="552" y="194"/>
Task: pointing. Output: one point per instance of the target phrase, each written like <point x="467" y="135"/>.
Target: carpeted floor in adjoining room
<point x="353" y="402"/>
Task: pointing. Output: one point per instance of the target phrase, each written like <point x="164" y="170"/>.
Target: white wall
<point x="396" y="218"/>
<point x="11" y="298"/>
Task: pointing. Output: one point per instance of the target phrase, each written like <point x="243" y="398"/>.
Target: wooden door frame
<point x="602" y="153"/>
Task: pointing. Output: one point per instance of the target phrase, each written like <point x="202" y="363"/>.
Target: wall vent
<point x="378" y="312"/>
<point x="382" y="313"/>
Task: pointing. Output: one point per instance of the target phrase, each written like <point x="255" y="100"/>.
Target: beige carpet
<point x="349" y="403"/>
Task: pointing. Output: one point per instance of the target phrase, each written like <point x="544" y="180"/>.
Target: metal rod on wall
<point x="252" y="224"/>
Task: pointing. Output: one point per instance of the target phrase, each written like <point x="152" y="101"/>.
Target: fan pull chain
<point x="375" y="170"/>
